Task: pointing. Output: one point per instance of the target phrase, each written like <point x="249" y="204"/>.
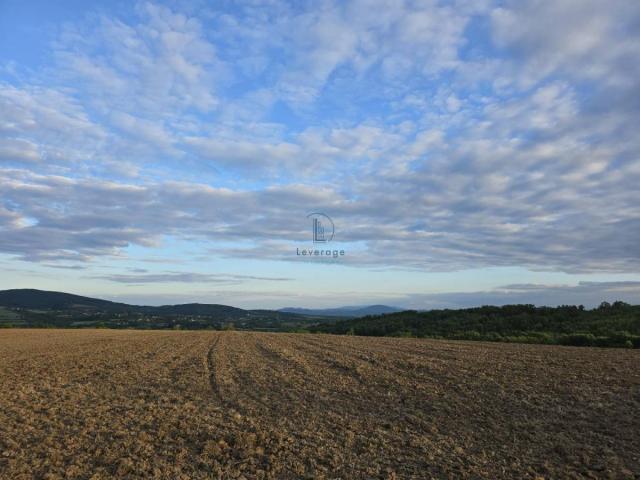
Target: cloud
<point x="185" y="277"/>
<point x="457" y="219"/>
<point x="352" y="40"/>
<point x="587" y="39"/>
<point x="438" y="137"/>
<point x="159" y="62"/>
<point x="78" y="219"/>
<point x="46" y="127"/>
<point x="15" y="149"/>
<point x="244" y="154"/>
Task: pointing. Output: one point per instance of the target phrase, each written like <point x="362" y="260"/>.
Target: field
<point x="102" y="404"/>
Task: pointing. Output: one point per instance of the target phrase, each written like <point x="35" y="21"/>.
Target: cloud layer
<point x="438" y="136"/>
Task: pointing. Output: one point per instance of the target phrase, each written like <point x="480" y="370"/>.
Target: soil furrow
<point x="214" y="405"/>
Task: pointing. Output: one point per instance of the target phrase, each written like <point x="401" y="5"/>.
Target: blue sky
<point x="468" y="152"/>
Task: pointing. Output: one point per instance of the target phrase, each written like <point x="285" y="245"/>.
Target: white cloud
<point x="431" y="151"/>
<point x="586" y="39"/>
<point x="163" y="62"/>
<point x="245" y="154"/>
<point x="16" y="149"/>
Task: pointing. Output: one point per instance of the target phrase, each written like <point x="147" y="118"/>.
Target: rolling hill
<point x="30" y="307"/>
<point x="40" y="299"/>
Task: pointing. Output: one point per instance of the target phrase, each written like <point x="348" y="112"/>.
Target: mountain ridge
<point x="31" y="298"/>
<point x="34" y="298"/>
<point x="43" y="308"/>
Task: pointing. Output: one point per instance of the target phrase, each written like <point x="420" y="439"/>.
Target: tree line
<point x="609" y="325"/>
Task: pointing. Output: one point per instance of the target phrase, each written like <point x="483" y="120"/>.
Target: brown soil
<point x="102" y="404"/>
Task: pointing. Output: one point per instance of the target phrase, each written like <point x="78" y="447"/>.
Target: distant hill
<point x="33" y="299"/>
<point x="41" y="299"/>
<point x="353" y="312"/>
<point x="609" y="325"/>
<point x="31" y="307"/>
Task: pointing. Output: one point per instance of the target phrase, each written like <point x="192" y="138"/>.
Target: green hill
<point x="39" y="308"/>
<point x="40" y="299"/>
<point x="616" y="324"/>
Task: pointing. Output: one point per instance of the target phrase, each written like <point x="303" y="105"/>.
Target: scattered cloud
<point x="439" y="136"/>
<point x="185" y="277"/>
<point x="49" y="217"/>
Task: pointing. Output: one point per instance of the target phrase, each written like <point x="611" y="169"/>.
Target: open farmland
<point x="101" y="404"/>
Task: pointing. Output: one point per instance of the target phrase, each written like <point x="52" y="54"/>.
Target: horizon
<point x="335" y="307"/>
<point x="457" y="153"/>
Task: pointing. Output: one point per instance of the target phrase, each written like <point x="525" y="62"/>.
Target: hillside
<point x="38" y="308"/>
<point x="609" y="325"/>
<point x="616" y="325"/>
<point x="42" y="299"/>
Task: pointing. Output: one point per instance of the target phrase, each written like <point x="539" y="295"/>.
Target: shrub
<point x="577" y="339"/>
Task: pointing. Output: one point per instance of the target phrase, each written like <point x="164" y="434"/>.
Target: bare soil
<point x="103" y="404"/>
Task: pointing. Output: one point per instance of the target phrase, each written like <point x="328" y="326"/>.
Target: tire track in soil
<point x="314" y="390"/>
<point x="270" y="382"/>
<point x="259" y="396"/>
<point x="253" y="374"/>
<point x="340" y="386"/>
<point x="279" y="398"/>
<point x="289" y="368"/>
<point x="339" y="380"/>
<point x="439" y="350"/>
<point x="332" y="362"/>
<point x="383" y="389"/>
<point x="364" y="370"/>
<point x="378" y="367"/>
<point x="209" y="367"/>
<point x="238" y="368"/>
<point x="366" y="356"/>
<point x="350" y="414"/>
<point x="376" y="357"/>
<point x="262" y="366"/>
<point x="311" y="416"/>
<point x="222" y="381"/>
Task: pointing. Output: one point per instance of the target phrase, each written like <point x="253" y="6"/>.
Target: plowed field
<point x="102" y="404"/>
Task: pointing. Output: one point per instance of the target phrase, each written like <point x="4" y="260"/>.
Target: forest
<point x="614" y="324"/>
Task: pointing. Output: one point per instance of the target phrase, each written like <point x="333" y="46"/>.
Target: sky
<point x="466" y="152"/>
